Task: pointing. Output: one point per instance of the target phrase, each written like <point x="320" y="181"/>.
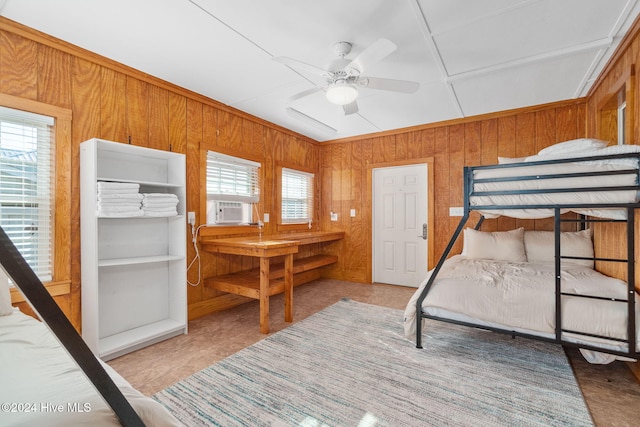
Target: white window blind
<point x="297" y="196"/>
<point x="232" y="178"/>
<point x="26" y="186"/>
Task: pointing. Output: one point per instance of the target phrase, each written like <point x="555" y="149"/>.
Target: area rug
<point x="350" y="365"/>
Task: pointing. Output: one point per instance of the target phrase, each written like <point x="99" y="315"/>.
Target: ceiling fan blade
<point x="392" y="85"/>
<point x="305" y="93"/>
<point x="294" y="63"/>
<point x="351" y="108"/>
<point x="374" y="53"/>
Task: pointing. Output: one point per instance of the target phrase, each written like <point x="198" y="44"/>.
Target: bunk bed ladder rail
<point x="434" y="273"/>
<point x="632" y="350"/>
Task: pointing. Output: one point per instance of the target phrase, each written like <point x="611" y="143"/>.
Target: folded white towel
<point x="160" y="196"/>
<point x="151" y="204"/>
<point x="103" y="191"/>
<point x="119" y="208"/>
<point x="119" y="196"/>
<point x="119" y="202"/>
<point x="125" y="214"/>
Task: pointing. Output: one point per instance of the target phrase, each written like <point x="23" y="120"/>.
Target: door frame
<point x="429" y="161"/>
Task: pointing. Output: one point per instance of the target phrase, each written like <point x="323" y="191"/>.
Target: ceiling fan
<point x="344" y="77"/>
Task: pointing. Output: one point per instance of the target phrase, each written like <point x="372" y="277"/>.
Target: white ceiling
<point x="470" y="56"/>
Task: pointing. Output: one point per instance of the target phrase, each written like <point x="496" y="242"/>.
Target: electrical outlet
<point x="456" y="211"/>
<point x="191" y="218"/>
<point x="266" y="218"/>
<point x="334" y="216"/>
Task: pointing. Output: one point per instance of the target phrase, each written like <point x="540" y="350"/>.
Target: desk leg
<point x="288" y="288"/>
<point x="264" y="295"/>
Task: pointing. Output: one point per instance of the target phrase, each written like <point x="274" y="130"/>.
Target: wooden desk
<point x="269" y="282"/>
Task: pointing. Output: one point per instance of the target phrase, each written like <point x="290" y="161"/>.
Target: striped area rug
<point x="350" y="365"/>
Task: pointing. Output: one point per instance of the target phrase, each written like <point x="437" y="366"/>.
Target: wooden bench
<point x="270" y="279"/>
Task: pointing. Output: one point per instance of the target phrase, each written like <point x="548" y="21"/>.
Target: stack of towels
<point x="119" y="199"/>
<point x="123" y="200"/>
<point x="159" y="204"/>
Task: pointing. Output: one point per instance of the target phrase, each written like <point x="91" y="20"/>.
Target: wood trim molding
<point x="55" y="289"/>
<point x="462" y="120"/>
<point x="24" y="104"/>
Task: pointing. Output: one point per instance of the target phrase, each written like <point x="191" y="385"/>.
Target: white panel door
<point x="399" y="218"/>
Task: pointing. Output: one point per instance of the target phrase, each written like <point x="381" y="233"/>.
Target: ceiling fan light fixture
<point x="342" y="93"/>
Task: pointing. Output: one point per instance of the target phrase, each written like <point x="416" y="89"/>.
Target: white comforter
<point x="521" y="297"/>
<point x="577" y="197"/>
<point x="40" y="385"/>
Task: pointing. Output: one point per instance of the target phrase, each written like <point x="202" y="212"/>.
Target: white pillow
<point x="496" y="245"/>
<point x="574" y="145"/>
<point x="539" y="246"/>
<point x="5" y="297"/>
<point x="508" y="160"/>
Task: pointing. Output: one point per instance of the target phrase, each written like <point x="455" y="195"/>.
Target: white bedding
<point x="40" y="384"/>
<point x="564" y="198"/>
<point x="520" y="296"/>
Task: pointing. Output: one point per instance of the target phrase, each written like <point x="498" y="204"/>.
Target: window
<point x="297" y="196"/>
<point x="26" y="186"/>
<point x="232" y="188"/>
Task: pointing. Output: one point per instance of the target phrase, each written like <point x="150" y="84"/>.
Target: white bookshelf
<point x="133" y="268"/>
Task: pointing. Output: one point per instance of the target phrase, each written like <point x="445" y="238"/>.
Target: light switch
<point x="353" y="213"/>
<point x="266" y="218"/>
<point x="334" y="216"/>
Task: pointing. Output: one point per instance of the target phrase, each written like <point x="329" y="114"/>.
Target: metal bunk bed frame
<point x="469" y="192"/>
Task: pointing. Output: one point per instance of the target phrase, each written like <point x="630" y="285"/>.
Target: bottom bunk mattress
<point x="520" y="297"/>
<point x="41" y="385"/>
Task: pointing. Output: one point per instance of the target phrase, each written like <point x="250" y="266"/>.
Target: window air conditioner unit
<point x="229" y="212"/>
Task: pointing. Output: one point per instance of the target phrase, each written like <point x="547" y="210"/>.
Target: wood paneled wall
<point x="114" y="102"/>
<point x="619" y="76"/>
<point x="346" y="167"/>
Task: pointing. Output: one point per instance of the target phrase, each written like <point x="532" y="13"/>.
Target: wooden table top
<point x="268" y="245"/>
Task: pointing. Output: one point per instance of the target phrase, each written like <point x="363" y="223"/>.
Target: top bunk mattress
<point x="530" y="188"/>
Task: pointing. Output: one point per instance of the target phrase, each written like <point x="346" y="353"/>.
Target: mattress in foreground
<point x="41" y="385"/>
<point x="520" y="296"/>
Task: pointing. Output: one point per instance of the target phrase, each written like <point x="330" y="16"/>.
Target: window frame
<point x="227" y="228"/>
<point x="295" y="226"/>
<point x="28" y="201"/>
<point x="61" y="211"/>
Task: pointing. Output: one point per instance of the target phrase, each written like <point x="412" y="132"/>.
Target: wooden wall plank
<point x="158" y="118"/>
<point x="488" y="144"/>
<point x="194" y="134"/>
<point x="113" y="106"/>
<point x="137" y="112"/>
<point x="54" y="77"/>
<point x="19" y="66"/>
<point x="178" y="123"/>
<point x="506" y="147"/>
